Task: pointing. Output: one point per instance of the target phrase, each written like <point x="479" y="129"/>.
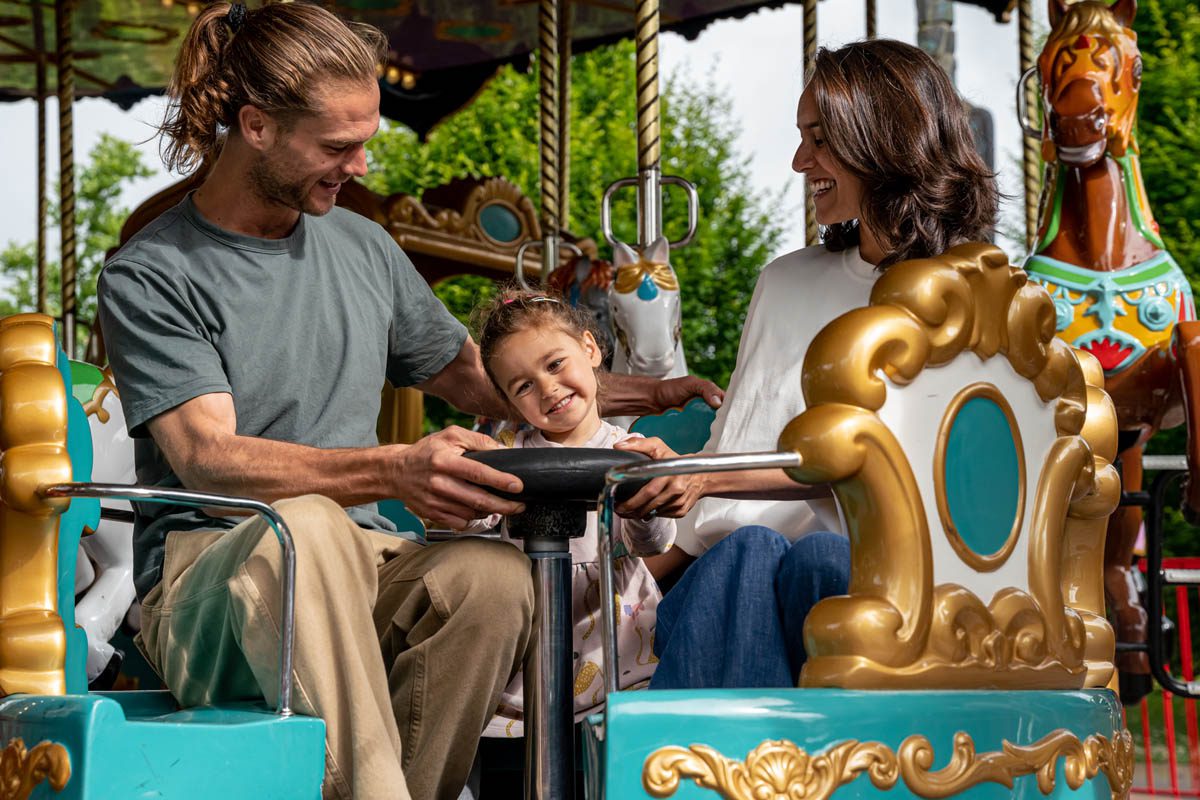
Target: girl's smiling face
<point x="549" y="377"/>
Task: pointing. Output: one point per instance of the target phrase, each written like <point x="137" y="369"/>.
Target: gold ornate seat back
<point x="33" y="453"/>
<point x="971" y="453"/>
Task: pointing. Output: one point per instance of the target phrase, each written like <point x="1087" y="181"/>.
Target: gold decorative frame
<point x="897" y="629"/>
<point x="22" y="770"/>
<point x="994" y="560"/>
<point x="33" y="453"/>
<point x="781" y="769"/>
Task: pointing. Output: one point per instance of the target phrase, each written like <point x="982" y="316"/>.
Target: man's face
<point x="304" y="166"/>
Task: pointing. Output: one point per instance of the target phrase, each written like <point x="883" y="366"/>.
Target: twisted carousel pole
<point x="64" y="13"/>
<point x="564" y="117"/>
<point x="1031" y="157"/>
<point x="649" y="137"/>
<point x="810" y="57"/>
<point x="551" y="134"/>
<point x="871" y="26"/>
<point x="39" y="46"/>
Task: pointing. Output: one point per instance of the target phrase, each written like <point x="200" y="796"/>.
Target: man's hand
<point x="674" y="392"/>
<point x="438" y="483"/>
<point x="671" y="496"/>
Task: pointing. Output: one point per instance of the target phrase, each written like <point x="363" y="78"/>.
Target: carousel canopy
<point x="442" y="51"/>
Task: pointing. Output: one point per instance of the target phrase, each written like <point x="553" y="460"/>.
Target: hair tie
<point x="541" y="298"/>
<point x="236" y="17"/>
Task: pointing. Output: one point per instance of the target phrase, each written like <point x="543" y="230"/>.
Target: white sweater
<point x="796" y="296"/>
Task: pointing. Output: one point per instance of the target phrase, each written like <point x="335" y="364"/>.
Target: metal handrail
<point x="646" y="470"/>
<point x="184" y="497"/>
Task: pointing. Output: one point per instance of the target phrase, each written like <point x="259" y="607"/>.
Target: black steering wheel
<point x="561" y="485"/>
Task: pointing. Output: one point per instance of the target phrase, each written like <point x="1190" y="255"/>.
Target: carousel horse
<point x="646" y="315"/>
<point x="1118" y="293"/>
<point x="104" y="576"/>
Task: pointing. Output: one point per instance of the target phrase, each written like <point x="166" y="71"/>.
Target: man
<point x="250" y="329"/>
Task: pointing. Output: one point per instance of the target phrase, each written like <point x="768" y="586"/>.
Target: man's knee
<point x="487" y="578"/>
<point x="324" y="538"/>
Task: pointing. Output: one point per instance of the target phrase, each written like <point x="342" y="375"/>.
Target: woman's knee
<point x="820" y="559"/>
<point x="750" y="544"/>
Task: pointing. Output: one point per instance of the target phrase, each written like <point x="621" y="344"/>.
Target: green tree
<point x="1169" y="137"/>
<point x="1169" y="123"/>
<point x="111" y="165"/>
<point x="497" y="136"/>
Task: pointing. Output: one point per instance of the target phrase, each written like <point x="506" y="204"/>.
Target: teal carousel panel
<point x="811" y="744"/>
<point x="121" y="745"/>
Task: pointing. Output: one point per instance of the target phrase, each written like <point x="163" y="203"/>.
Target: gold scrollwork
<point x="981" y="562"/>
<point x="33" y="453"/>
<point x="781" y="769"/>
<point x="22" y="770"/>
<point x="891" y="630"/>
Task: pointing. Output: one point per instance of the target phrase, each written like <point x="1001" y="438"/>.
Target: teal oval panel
<point x="982" y="476"/>
<point x="499" y="222"/>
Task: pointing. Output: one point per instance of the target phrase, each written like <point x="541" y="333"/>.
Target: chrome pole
<point x="184" y="497"/>
<point x="644" y="471"/>
<point x="549" y="689"/>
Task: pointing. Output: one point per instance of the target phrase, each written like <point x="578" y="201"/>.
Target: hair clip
<point x="541" y="298"/>
<point x="236" y="17"/>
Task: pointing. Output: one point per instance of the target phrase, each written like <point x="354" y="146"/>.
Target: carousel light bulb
<point x="392" y="75"/>
<point x="408" y="79"/>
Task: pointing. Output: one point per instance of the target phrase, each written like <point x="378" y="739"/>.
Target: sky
<point x="757" y="60"/>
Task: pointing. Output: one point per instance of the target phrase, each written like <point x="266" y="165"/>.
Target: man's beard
<point x="275" y="186"/>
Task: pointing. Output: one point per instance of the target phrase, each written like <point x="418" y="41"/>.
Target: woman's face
<point x="837" y="195"/>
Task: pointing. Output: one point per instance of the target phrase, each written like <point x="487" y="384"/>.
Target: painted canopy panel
<point x="125" y="48"/>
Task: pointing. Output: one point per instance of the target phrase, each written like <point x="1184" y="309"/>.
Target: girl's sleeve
<point x="482" y="525"/>
<point x="646" y="537"/>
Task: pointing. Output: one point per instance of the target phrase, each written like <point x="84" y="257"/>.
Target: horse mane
<point x="1090" y="17"/>
<point x="599" y="276"/>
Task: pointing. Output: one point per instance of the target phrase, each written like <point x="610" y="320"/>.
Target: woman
<point x="887" y="151"/>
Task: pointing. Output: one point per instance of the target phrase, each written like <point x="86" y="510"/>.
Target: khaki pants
<point x="395" y="642"/>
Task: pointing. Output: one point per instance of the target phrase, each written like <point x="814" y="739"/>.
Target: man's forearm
<point x="629" y="395"/>
<point x="270" y="470"/>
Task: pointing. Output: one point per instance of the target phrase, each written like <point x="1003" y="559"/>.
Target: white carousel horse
<point x="104" y="578"/>
<point x="646" y="317"/>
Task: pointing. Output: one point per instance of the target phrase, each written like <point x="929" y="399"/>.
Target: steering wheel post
<point x="546" y="530"/>
<point x="561" y="485"/>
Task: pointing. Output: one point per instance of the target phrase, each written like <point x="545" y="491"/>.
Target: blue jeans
<point x="736" y="617"/>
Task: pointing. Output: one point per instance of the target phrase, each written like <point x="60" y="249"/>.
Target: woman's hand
<point x="671" y="496"/>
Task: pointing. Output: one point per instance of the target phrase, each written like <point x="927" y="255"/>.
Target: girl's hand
<point x="671" y="496"/>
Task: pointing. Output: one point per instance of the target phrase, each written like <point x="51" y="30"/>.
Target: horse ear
<point x="1056" y="10"/>
<point x="623" y="254"/>
<point x="1124" y="11"/>
<point x="659" y="251"/>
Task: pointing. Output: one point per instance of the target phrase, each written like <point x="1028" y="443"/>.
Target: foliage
<point x="1169" y="123"/>
<point x="1169" y="136"/>
<point x="497" y="136"/>
<point x="111" y="165"/>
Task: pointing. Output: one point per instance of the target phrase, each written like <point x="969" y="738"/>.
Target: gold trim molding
<point x="22" y="770"/>
<point x="781" y="769"/>
<point x="995" y="560"/>
<point x="33" y="453"/>
<point x="897" y="629"/>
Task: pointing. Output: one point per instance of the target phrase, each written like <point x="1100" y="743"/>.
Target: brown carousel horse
<point x="1118" y="293"/>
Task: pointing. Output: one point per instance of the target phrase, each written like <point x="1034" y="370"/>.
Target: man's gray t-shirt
<point x="301" y="331"/>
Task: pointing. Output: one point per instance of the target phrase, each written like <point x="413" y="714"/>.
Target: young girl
<point x="543" y="358"/>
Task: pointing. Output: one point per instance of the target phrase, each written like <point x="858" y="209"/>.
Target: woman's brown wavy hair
<point x="890" y="115"/>
<point x="278" y="59"/>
